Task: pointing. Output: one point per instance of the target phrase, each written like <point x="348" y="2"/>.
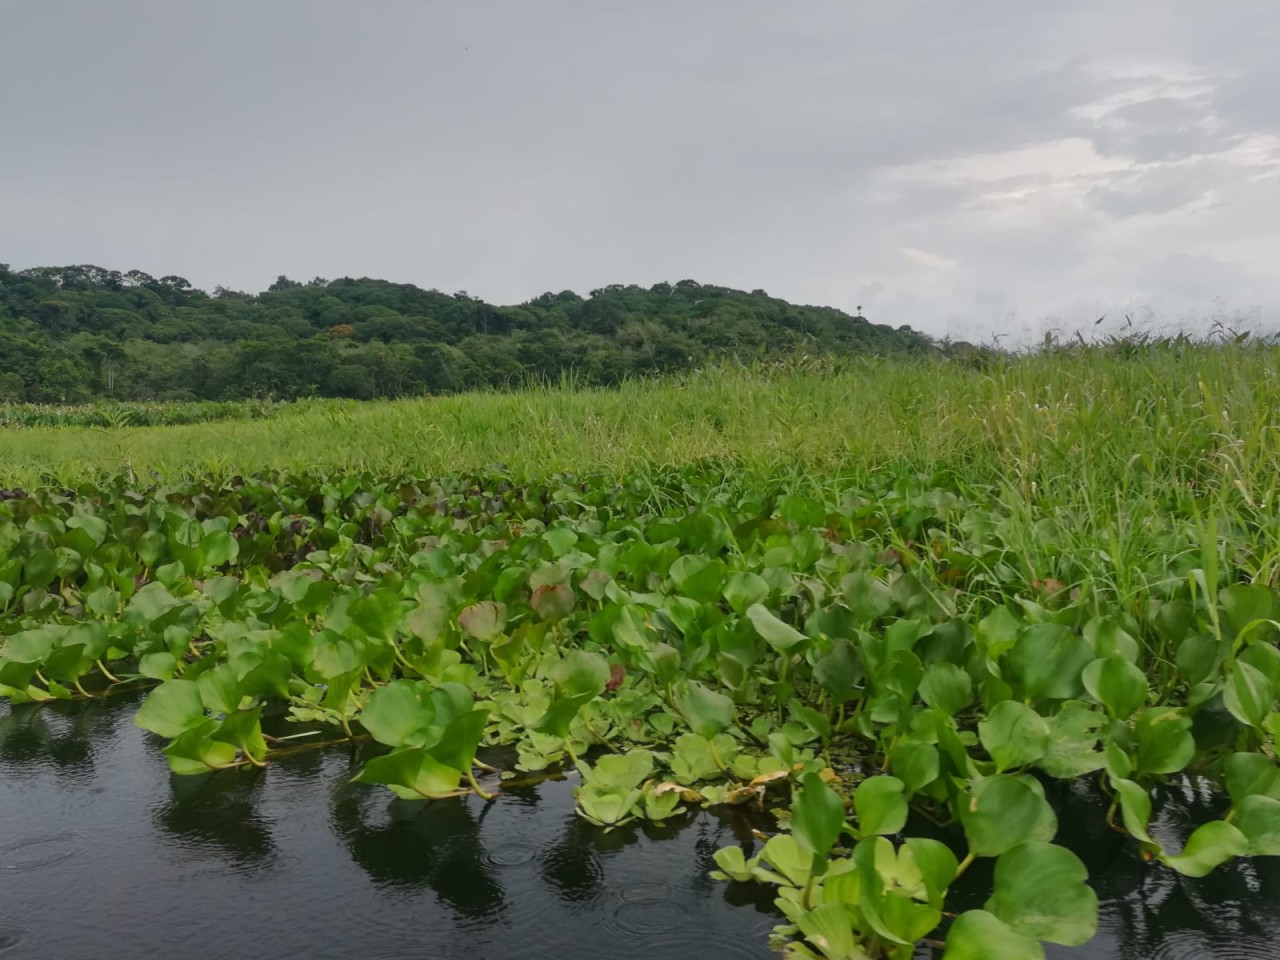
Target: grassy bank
<point x="1176" y="416"/>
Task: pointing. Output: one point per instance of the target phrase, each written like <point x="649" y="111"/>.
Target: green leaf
<point x="1197" y="657"/>
<point x="581" y="672"/>
<point x="1250" y="774"/>
<point x="829" y="927"/>
<point x="243" y="729"/>
<point x="946" y="687"/>
<point x="220" y="689"/>
<point x="1003" y="811"/>
<point x="699" y="578"/>
<point x="734" y="864"/>
<point x="979" y="935"/>
<point x="1248" y="694"/>
<point x="998" y="632"/>
<point x="906" y="918"/>
<point x="1116" y="684"/>
<point x="265" y="675"/>
<point x="220" y="548"/>
<point x="779" y="635"/>
<point x="1212" y="844"/>
<point x="379" y="614"/>
<point x="1259" y="821"/>
<point x="1048" y="658"/>
<point x="915" y="764"/>
<point x="457" y="745"/>
<point x="817" y="815"/>
<point x="838" y="670"/>
<point x="792" y="861"/>
<point x="880" y="806"/>
<point x="158" y="666"/>
<point x="172" y="708"/>
<point x="401" y="714"/>
<point x="1014" y="735"/>
<point x="866" y="596"/>
<point x="619" y="771"/>
<point x="706" y="711"/>
<point x="1244" y="603"/>
<point x="1040" y="891"/>
<point x="1073" y="742"/>
<point x="195" y="751"/>
<point x="1165" y="744"/>
<point x="334" y="657"/>
<point x="31" y="646"/>
<point x="744" y="589"/>
<point x="104" y="602"/>
<point x="150" y="603"/>
<point x="1135" y="808"/>
<point x="935" y="862"/>
<point x="94" y="527"/>
<point x="558" y="718"/>
<point x="411" y="773"/>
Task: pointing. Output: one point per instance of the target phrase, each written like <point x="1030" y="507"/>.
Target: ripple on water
<point x="511" y="854"/>
<point x="36" y="852"/>
<point x="646" y="891"/>
<point x="10" y="939"/>
<point x="1198" y="945"/>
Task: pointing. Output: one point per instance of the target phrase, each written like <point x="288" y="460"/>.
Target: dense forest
<point x="77" y="333"/>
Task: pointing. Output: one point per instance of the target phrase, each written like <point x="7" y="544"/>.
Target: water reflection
<point x="400" y="843"/>
<point x="216" y="816"/>
<point x="61" y="736"/>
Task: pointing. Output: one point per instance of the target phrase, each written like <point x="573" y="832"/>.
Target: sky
<point x="980" y="170"/>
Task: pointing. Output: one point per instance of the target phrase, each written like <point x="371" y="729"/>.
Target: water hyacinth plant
<point x="894" y="668"/>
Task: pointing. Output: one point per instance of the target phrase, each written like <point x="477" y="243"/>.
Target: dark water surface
<point x="103" y="853"/>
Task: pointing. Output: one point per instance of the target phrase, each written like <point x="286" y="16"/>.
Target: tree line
<point x="78" y="333"/>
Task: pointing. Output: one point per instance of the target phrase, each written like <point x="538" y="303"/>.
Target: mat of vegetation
<point x="889" y="605"/>
<point x="840" y="658"/>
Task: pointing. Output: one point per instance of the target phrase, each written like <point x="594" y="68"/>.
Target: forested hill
<point x="76" y="333"/>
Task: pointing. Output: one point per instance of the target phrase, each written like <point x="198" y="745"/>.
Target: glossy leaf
<point x="1014" y="735"/>
<point x="817" y="815"/>
<point x="880" y="806"/>
<point x="1040" y="891"/>
<point x="1211" y="844"/>
<point x="1003" y="811"/>
<point x="979" y="935"/>
<point x="172" y="708"/>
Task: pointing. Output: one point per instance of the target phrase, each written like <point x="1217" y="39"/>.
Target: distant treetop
<point x="78" y="332"/>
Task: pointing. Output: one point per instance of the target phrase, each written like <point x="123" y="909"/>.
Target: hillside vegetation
<point x="71" y="334"/>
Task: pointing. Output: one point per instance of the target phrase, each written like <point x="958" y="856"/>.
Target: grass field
<point x="1169" y="420"/>
<point x="868" y="597"/>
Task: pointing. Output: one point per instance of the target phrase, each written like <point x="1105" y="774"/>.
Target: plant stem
<point x="471" y="779"/>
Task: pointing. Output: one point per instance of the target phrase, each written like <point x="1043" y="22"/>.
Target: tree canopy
<point x="82" y="332"/>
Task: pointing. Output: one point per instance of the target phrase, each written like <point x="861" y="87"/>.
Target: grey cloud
<point x="1154" y="191"/>
<point x="1162" y="128"/>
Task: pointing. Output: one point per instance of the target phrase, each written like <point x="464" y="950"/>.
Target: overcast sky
<point x="967" y="168"/>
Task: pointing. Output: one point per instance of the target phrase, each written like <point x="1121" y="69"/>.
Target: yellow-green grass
<point x="1170" y="420"/>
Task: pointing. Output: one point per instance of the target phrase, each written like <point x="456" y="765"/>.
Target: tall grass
<point x="1115" y="469"/>
<point x="1173" y="419"/>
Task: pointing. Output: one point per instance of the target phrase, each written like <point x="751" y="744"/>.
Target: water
<point x="103" y="853"/>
